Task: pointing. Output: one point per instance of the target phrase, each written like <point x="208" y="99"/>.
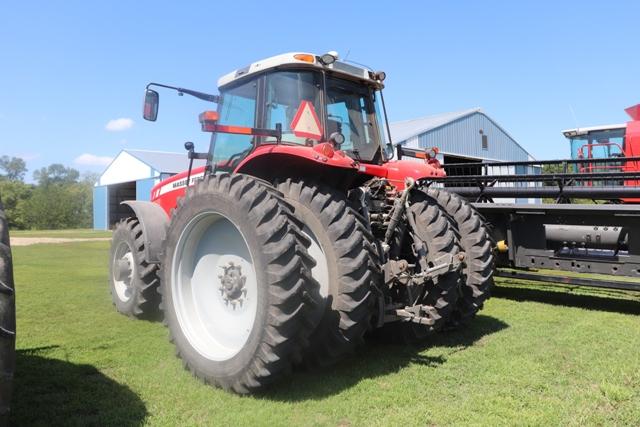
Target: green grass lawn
<point x="71" y="233"/>
<point x="535" y="356"/>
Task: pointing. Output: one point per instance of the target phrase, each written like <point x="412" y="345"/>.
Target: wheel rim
<point x="320" y="272"/>
<point x="214" y="286"/>
<point x="123" y="271"/>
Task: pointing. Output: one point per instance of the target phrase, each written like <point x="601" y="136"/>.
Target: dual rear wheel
<point x="476" y="279"/>
<point x="256" y="279"/>
<point x="347" y="268"/>
<point x="238" y="294"/>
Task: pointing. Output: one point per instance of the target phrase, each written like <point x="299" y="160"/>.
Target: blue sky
<point x="67" y="69"/>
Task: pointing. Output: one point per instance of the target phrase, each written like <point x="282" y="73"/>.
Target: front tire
<point x="236" y="283"/>
<point x="7" y="321"/>
<point x="133" y="281"/>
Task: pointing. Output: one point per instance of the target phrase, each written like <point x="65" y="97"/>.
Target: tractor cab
<point x="598" y="142"/>
<point x="310" y="100"/>
<point x="314" y="114"/>
<point x="614" y="148"/>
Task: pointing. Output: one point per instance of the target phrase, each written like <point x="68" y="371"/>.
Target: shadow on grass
<point x="597" y="299"/>
<point x="55" y="392"/>
<point x="379" y="358"/>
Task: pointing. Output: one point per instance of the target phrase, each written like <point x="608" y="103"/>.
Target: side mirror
<point x="151" y="101"/>
<point x="337" y="138"/>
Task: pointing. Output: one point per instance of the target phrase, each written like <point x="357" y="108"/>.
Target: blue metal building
<point x="130" y="176"/>
<point x="460" y="136"/>
<point x="469" y="137"/>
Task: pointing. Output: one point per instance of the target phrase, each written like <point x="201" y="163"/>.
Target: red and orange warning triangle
<point x="306" y="124"/>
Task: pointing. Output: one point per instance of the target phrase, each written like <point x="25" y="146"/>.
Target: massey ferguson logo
<point x="180" y="184"/>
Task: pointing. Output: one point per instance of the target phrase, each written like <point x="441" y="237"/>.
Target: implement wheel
<point x="7" y="321"/>
<point x="236" y="283"/>
<point x="347" y="268"/>
<point x="133" y="281"/>
<point x="477" y="274"/>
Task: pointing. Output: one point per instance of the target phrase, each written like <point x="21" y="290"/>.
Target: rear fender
<point x="273" y="162"/>
<point x="154" y="222"/>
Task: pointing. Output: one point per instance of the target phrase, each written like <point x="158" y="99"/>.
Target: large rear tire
<point x="236" y="283"/>
<point x="133" y="281"/>
<point x="347" y="268"/>
<point x="477" y="274"/>
<point x="434" y="230"/>
<point x="7" y="321"/>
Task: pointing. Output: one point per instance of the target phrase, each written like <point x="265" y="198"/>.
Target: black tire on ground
<point x="280" y="268"/>
<point x="7" y="321"/>
<point x="351" y="270"/>
<point x="434" y="230"/>
<point x="477" y="274"/>
<point x="133" y="281"/>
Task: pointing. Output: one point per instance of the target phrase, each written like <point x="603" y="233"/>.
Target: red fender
<point x="322" y="154"/>
<point x="167" y="192"/>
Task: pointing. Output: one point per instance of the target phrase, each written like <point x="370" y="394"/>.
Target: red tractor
<point x="301" y="233"/>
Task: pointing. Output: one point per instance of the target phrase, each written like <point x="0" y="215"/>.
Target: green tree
<point x="89" y="178"/>
<point x="15" y="197"/>
<point x="61" y="200"/>
<point x="56" y="174"/>
<point x="14" y="168"/>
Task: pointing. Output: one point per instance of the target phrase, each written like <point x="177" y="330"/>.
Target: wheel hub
<point x="123" y="269"/>
<point x="214" y="286"/>
<point x="123" y="272"/>
<point x="232" y="288"/>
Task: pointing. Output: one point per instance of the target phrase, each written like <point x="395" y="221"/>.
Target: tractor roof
<point x="294" y="59"/>
<point x="584" y="131"/>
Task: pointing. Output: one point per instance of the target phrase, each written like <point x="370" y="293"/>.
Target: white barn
<point x="130" y="176"/>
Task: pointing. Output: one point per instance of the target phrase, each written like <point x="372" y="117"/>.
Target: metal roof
<point x="289" y="59"/>
<point x="403" y="130"/>
<point x="583" y="131"/>
<point x="163" y="161"/>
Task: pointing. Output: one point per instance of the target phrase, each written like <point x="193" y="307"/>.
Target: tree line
<point x="60" y="197"/>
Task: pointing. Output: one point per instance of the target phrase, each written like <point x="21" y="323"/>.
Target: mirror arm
<point x="191" y="155"/>
<point x="195" y="93"/>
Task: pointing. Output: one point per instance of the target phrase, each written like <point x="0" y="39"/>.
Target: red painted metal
<point x="317" y="154"/>
<point x="632" y="146"/>
<point x="167" y="192"/>
<point x="397" y="170"/>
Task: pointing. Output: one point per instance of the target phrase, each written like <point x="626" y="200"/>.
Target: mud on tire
<point x="236" y="283"/>
<point x="7" y="321"/>
<point x="133" y="281"/>
<point x="477" y="274"/>
<point x="347" y="267"/>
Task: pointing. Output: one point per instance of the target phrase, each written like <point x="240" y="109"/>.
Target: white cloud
<point x="118" y="125"/>
<point x="87" y="159"/>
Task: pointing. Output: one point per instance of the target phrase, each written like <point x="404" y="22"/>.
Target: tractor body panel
<point x="396" y="171"/>
<point x="270" y="161"/>
<point x="167" y="192"/>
